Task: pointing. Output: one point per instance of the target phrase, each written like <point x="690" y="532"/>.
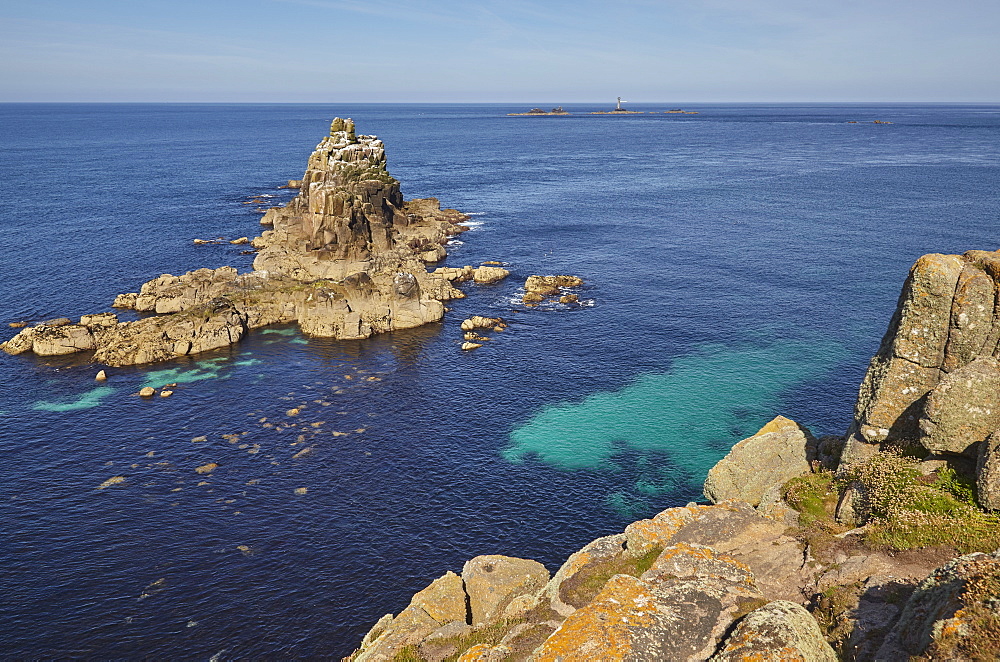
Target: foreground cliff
<point x="879" y="545"/>
<point x="346" y="258"/>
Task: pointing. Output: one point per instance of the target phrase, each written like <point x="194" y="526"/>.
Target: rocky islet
<point x="346" y="258"/>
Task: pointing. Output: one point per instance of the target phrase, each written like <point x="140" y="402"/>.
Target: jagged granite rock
<point x="779" y="451"/>
<point x="947" y="316"/>
<point x="780" y="631"/>
<point x="493" y="581"/>
<point x="988" y="473"/>
<point x="538" y="288"/>
<point x="963" y="408"/>
<point x="952" y="614"/>
<point x="217" y="323"/>
<point x="438" y="605"/>
<point x="679" y="609"/>
<point x="345" y="259"/>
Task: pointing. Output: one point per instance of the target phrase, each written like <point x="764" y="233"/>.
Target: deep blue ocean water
<point x="739" y="264"/>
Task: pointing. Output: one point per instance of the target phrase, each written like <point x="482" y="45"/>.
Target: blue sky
<point x="500" y="50"/>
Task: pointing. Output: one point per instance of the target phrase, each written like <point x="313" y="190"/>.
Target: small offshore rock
<point x="466" y="346"/>
<point x="101" y="376"/>
<point x="18" y="325"/>
<point x="488" y="275"/>
<point x="301" y="490"/>
<point x="241" y="240"/>
<point x="166" y="393"/>
<point x="294" y="411"/>
<point x="480" y="322"/>
<point x="114" y="480"/>
<point x="147" y="391"/>
<point x="537" y="288"/>
<point x="569" y="298"/>
<point x="206" y="468"/>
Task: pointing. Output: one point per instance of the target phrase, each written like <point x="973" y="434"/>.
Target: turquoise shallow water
<point x="739" y="264"/>
<point x="711" y="395"/>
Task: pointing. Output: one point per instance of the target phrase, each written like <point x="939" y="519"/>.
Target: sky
<point x="529" y="51"/>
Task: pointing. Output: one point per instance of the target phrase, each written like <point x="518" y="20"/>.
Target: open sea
<point x="740" y="263"/>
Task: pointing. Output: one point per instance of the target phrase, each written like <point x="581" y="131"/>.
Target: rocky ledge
<point x="881" y="544"/>
<point x="346" y="258"/>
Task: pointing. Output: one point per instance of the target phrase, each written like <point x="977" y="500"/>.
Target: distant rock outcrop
<point x="344" y="259"/>
<point x="540" y="288"/>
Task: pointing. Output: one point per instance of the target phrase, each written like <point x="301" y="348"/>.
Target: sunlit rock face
<point x="947" y="324"/>
<point x="345" y="259"/>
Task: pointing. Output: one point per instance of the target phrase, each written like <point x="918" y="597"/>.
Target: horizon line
<point x="496" y="103"/>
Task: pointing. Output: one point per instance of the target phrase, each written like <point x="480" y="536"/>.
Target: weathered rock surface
<point x="493" y="581"/>
<point x="344" y="259"/>
<point x="951" y="613"/>
<point x="779" y="451"/>
<point x="988" y="473"/>
<point x="779" y="631"/>
<point x="488" y="275"/>
<point x="539" y="288"/>
<point x="963" y="408"/>
<point x="679" y="609"/>
<point x="441" y="603"/>
<point x="946" y="318"/>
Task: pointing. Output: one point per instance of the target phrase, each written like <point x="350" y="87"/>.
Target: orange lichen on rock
<point x="646" y="534"/>
<point x="689" y="560"/>
<point x="603" y="630"/>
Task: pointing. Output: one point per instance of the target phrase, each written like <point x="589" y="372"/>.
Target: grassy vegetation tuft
<point x="408" y="654"/>
<point x="909" y="510"/>
<point x="491" y="634"/>
<point x="581" y="588"/>
<point x="814" y="496"/>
